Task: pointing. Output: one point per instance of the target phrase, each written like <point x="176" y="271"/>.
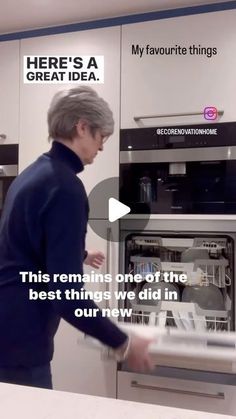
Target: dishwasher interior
<point x="205" y="302"/>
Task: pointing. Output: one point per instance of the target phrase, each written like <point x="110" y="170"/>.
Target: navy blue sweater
<point x="43" y="228"/>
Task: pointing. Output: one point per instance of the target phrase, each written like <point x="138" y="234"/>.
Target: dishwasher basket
<point x="181" y="315"/>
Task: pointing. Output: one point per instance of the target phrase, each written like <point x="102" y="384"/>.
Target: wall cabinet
<point x="35" y="98"/>
<point x="9" y="88"/>
<point x="157" y="84"/>
<point x="205" y="397"/>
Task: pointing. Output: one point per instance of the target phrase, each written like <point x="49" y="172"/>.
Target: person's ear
<point x="82" y="128"/>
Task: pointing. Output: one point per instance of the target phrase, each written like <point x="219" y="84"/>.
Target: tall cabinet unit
<point x="76" y="367"/>
<point x="9" y="88"/>
<point x="163" y="82"/>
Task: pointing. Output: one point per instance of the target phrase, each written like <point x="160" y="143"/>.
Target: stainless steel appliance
<point x="185" y="181"/>
<point x="179" y="170"/>
<point x="172" y="171"/>
<point x="8" y="169"/>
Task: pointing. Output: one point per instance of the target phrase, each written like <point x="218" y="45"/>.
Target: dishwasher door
<point x="173" y="348"/>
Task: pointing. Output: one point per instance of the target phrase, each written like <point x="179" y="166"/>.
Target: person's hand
<point x="138" y="358"/>
<point x="94" y="258"/>
<point x="136" y="353"/>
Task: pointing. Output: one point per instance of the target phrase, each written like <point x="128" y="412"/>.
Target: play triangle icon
<point x="116" y="209"/>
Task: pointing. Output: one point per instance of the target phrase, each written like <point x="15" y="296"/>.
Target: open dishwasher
<point x="193" y="321"/>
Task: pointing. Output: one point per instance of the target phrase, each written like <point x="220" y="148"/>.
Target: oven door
<point x="7" y="175"/>
<point x="8" y="169"/>
<point x="188" y="181"/>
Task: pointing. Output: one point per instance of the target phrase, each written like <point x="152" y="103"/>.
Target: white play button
<point x="105" y="209"/>
<point x="116" y="209"/>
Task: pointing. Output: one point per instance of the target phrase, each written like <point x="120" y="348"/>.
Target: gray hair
<point x="69" y="106"/>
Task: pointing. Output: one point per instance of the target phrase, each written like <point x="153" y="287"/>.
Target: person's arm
<point x="64" y="235"/>
<point x="65" y="229"/>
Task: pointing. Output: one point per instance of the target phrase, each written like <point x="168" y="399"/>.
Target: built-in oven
<point x="179" y="170"/>
<point x="8" y="169"/>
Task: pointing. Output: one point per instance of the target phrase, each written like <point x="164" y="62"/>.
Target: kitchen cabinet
<point x="9" y="88"/>
<point x="76" y="366"/>
<point x="157" y="84"/>
<point x="35" y="98"/>
<point x="79" y="368"/>
<point x="106" y="244"/>
<point x="206" y="397"/>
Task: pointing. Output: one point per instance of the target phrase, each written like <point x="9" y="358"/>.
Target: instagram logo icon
<point x="210" y="113"/>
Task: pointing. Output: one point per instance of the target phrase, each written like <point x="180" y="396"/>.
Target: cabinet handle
<point x="219" y="395"/>
<point x="107" y="286"/>
<point x="3" y="136"/>
<point x="171" y="115"/>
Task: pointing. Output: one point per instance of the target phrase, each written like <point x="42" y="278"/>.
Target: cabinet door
<point x="103" y="242"/>
<point x="35" y="98"/>
<point x="76" y="366"/>
<point x="206" y="397"/>
<point x="9" y="88"/>
<point x="157" y="84"/>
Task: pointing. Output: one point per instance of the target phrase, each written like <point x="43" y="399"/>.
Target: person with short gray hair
<point x="42" y="232"/>
<point x="68" y="106"/>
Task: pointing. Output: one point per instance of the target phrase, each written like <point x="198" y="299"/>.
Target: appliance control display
<point x="177" y="139"/>
<point x="186" y="136"/>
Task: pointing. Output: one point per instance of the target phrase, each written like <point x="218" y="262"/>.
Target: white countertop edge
<point x="29" y="402"/>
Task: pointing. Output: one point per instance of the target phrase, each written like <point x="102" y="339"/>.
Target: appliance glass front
<point x="187" y="174"/>
<point x="8" y="169"/>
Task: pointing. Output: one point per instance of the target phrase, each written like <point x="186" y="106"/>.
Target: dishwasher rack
<point x="201" y="271"/>
<point x="180" y="315"/>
